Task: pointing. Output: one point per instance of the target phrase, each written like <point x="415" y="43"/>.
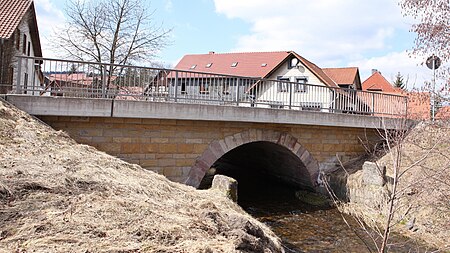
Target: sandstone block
<point x="130" y="148"/>
<point x="168" y="148"/>
<point x="185" y="148"/>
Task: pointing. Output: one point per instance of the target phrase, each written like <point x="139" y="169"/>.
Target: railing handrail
<point x="205" y="73"/>
<point x="119" y="81"/>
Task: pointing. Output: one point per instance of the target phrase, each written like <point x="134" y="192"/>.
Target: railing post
<point x="19" y="75"/>
<point x="406" y="107"/>
<point x="373" y="103"/>
<point x="237" y="91"/>
<point x="290" y="86"/>
<point x="176" y="86"/>
<point x="104" y="81"/>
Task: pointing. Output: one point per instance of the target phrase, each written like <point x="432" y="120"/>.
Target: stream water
<point x="305" y="228"/>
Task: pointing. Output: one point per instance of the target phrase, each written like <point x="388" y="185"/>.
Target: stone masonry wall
<point x="171" y="147"/>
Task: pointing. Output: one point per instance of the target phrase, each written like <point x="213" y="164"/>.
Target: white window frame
<point x="282" y="84"/>
<point x="300" y="85"/>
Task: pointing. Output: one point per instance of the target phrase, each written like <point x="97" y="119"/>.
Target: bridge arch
<point x="272" y="139"/>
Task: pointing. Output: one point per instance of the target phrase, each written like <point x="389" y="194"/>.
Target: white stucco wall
<point x="27" y="66"/>
<point x="270" y="94"/>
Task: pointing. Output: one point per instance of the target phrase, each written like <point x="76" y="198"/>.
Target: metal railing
<point x="54" y="77"/>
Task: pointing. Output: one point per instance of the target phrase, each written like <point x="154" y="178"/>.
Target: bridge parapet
<point x="54" y="77"/>
<point x="88" y="107"/>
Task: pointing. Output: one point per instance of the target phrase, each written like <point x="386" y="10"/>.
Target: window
<point x="301" y="86"/>
<point x="204" y="87"/>
<point x="194" y="66"/>
<point x="293" y="62"/>
<point x="264" y="65"/>
<point x="17" y="39"/>
<point x="24" y="44"/>
<point x="234" y="64"/>
<point x="283" y="84"/>
<point x="11" y="76"/>
<point x="25" y="83"/>
<point x="183" y="87"/>
<point x="29" y="48"/>
<point x="208" y="65"/>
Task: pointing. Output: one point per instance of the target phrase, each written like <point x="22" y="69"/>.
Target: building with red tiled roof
<point x="377" y="82"/>
<point x="345" y="77"/>
<point x="443" y="113"/>
<point x="282" y="77"/>
<point x="19" y="35"/>
<point x="265" y="65"/>
<point x="419" y="107"/>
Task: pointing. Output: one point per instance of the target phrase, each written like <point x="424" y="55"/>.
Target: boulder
<point x="373" y="174"/>
<point x="226" y="185"/>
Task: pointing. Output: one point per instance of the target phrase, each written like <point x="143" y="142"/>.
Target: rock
<point x="226" y="185"/>
<point x="311" y="198"/>
<point x="373" y="174"/>
<point x="410" y="224"/>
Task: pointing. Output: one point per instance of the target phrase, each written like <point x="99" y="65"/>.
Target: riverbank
<point x="422" y="205"/>
<point x="60" y="196"/>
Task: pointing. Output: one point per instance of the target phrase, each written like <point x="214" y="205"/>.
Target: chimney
<point x="212" y="52"/>
<point x="374" y="71"/>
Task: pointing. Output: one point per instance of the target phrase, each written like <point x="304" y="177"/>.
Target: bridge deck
<point x="84" y="107"/>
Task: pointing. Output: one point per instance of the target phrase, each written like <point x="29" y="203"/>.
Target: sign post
<point x="433" y="62"/>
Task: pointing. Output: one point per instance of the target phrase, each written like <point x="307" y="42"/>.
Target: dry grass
<point x="423" y="189"/>
<point x="60" y="196"/>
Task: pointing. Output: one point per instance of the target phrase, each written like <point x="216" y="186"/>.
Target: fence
<point x="54" y="77"/>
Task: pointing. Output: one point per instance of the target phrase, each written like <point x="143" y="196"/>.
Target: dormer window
<point x="193" y="66"/>
<point x="208" y="65"/>
<point x="264" y="65"/>
<point x="234" y="64"/>
<point x="293" y="63"/>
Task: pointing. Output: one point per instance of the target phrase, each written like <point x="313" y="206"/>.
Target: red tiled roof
<point x="248" y="64"/>
<point x="342" y="76"/>
<point x="78" y="78"/>
<point x="11" y="13"/>
<point x="443" y="113"/>
<point x="419" y="106"/>
<point x="377" y="82"/>
<point x="253" y="64"/>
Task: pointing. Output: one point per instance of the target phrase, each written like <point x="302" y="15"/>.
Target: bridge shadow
<point x="269" y="176"/>
<point x="269" y="152"/>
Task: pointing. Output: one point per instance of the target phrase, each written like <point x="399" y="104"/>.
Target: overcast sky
<point x="330" y="33"/>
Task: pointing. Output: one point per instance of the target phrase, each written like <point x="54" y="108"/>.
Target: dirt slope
<point x="422" y="208"/>
<point x="60" y="196"/>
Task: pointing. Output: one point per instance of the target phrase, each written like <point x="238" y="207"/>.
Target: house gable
<point x="345" y="77"/>
<point x="377" y="82"/>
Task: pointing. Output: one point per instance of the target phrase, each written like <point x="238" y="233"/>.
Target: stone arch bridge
<point x="183" y="141"/>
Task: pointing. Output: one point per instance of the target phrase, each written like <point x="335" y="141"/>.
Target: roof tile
<point x="11" y="12"/>
<point x="342" y="76"/>
<point x="248" y="64"/>
<point x="377" y="82"/>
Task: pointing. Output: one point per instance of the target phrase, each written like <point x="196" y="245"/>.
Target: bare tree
<point x="416" y="181"/>
<point x="113" y="31"/>
<point x="432" y="30"/>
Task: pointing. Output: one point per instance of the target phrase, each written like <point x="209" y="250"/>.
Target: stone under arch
<point x="218" y="148"/>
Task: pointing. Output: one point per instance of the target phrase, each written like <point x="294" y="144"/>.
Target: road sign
<point x="433" y="62"/>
